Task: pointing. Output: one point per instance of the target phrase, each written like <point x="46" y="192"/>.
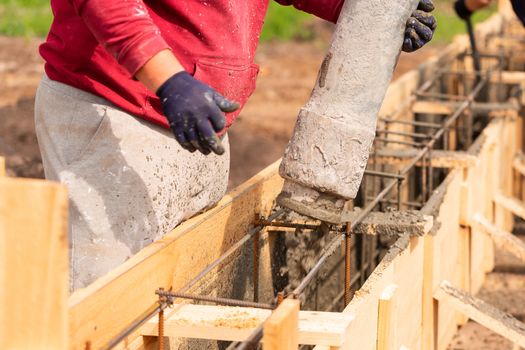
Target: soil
<point x="20" y="72"/>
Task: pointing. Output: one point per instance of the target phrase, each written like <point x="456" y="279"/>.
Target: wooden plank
<point x="281" y="328"/>
<point x="446" y="255"/>
<point x="170" y="262"/>
<point x="513" y="205"/>
<point x="362" y="333"/>
<point x="464" y="265"/>
<point x="33" y="265"/>
<point x="483" y="313"/>
<point x="503" y="239"/>
<point x="237" y="323"/>
<point x="447" y="107"/>
<point x="2" y="166"/>
<point x="428" y="310"/>
<point x="408" y="272"/>
<point x="440" y="158"/>
<point x="385" y="328"/>
<point x="433" y="107"/>
<point x="510" y="77"/>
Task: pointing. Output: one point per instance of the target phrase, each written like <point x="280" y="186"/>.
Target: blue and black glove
<point x="195" y="112"/>
<point x="420" y="27"/>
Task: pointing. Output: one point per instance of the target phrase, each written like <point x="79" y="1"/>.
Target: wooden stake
<point x="483" y="313"/>
<point x="33" y="265"/>
<point x="281" y="329"/>
<point x="428" y="310"/>
<point x="385" y="336"/>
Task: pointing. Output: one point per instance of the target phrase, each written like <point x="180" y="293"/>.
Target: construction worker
<point x="465" y="8"/>
<point x="119" y="75"/>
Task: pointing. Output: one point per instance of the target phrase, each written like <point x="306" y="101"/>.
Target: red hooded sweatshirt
<point x="99" y="45"/>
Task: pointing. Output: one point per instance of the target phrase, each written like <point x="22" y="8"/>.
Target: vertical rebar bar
<point x="280" y="298"/>
<point x="161" y="329"/>
<point x="255" y="276"/>
<point x="347" y="263"/>
<point x="363" y="258"/>
<point x="423" y="181"/>
<point x="430" y="173"/>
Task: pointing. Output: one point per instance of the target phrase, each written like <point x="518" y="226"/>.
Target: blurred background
<point x="292" y="48"/>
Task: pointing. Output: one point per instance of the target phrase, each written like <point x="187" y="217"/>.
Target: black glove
<point x="519" y="9"/>
<point x="420" y="27"/>
<point x="461" y="10"/>
<point x="195" y="112"/>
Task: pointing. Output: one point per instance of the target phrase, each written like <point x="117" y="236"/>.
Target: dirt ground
<point x="288" y="72"/>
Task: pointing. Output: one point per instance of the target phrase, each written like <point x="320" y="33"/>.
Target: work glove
<point x="462" y="10"/>
<point x="519" y="9"/>
<point x="195" y="112"/>
<point x="420" y="27"/>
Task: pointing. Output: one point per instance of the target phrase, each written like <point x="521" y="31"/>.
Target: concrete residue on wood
<point x="483" y="313"/>
<point x="219" y="316"/>
<point x="391" y="223"/>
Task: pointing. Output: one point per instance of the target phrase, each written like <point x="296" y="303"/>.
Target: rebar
<point x="348" y="251"/>
<point x="161" y="329"/>
<point x="368" y="259"/>
<point x="230" y="252"/>
<point x="255" y="275"/>
<point x="383" y="174"/>
<point x="400" y="142"/>
<point x="268" y="223"/>
<point x="402" y="133"/>
<point x="215" y="300"/>
<point x="336" y="242"/>
<point x="280" y="298"/>
<point x="132" y="327"/>
<point x="414" y="123"/>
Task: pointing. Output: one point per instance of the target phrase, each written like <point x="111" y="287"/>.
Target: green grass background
<point x="33" y="17"/>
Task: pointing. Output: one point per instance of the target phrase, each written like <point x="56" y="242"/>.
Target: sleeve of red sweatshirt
<point x="325" y="9"/>
<point x="124" y="28"/>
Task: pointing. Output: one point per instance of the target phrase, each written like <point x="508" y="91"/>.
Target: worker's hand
<point x="465" y="8"/>
<point x="420" y="27"/>
<point x="195" y="112"/>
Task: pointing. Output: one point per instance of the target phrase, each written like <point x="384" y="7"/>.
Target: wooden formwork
<point x="412" y="300"/>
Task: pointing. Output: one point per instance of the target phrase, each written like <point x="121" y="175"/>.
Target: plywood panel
<point x="33" y="265"/>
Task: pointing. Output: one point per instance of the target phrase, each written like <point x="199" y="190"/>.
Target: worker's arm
<point x="420" y="26"/>
<point x="126" y="30"/>
<point x="325" y="9"/>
